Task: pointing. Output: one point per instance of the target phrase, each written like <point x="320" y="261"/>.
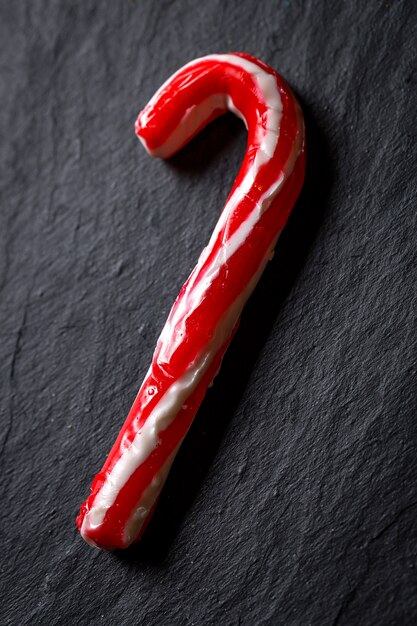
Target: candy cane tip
<point x="140" y="131"/>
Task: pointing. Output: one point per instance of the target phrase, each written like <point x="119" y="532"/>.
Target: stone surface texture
<point x="293" y="500"/>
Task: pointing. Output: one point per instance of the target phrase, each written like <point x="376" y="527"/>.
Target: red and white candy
<point x="206" y="312"/>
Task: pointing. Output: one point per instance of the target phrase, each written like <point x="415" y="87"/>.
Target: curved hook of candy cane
<point x="205" y="315"/>
<point x="208" y="87"/>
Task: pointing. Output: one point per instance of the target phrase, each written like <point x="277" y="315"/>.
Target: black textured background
<point x="294" y="497"/>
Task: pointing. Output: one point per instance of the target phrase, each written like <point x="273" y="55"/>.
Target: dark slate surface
<point x="294" y="497"/>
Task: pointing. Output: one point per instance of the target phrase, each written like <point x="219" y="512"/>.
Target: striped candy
<point x="206" y="312"/>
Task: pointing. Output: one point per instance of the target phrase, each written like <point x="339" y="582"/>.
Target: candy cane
<point x="206" y="312"/>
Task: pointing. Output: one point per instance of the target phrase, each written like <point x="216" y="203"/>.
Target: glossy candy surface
<point x="206" y="312"/>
